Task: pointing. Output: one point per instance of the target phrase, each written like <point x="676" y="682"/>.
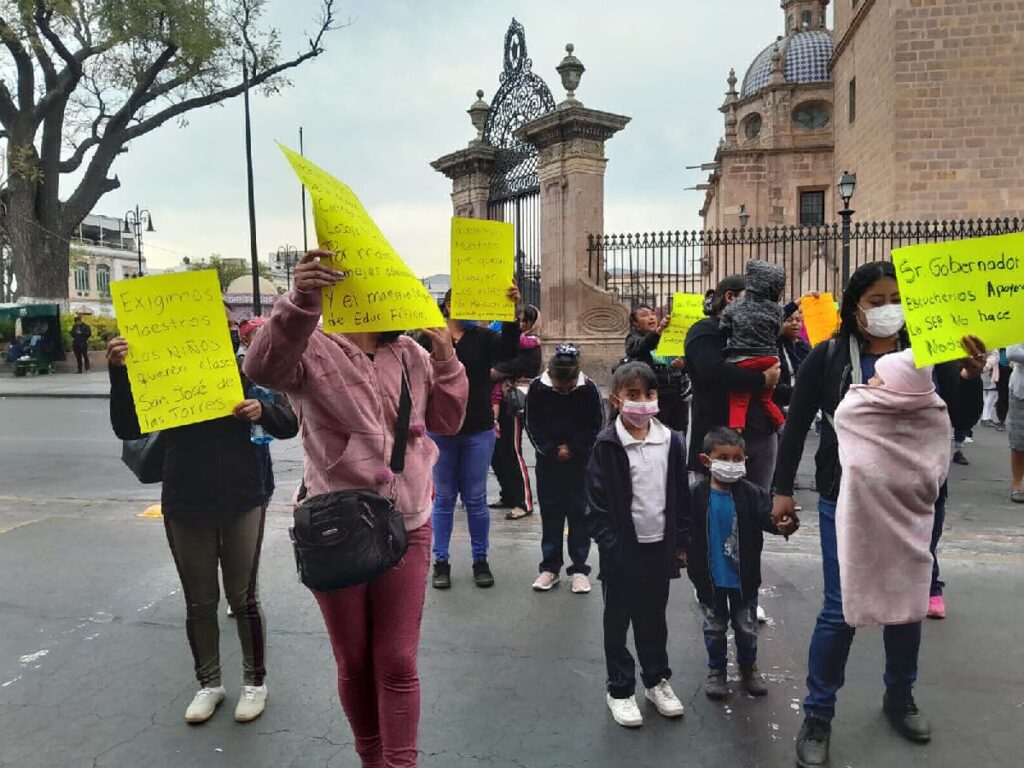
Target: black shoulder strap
<point x="402" y="423"/>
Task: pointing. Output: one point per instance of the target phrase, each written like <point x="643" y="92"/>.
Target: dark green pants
<point x="198" y="547"/>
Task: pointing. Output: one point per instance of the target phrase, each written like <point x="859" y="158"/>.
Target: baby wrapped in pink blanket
<point x="894" y="447"/>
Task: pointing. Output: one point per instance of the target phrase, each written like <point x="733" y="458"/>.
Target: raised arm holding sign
<point x="965" y="288"/>
<point x="687" y="309"/>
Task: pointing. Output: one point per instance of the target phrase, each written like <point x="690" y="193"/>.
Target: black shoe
<point x="442" y="575"/>
<point x="498" y="503"/>
<point x="959" y="458"/>
<point x="752" y="681"/>
<point x="812" y="743"/>
<point x="482" y="575"/>
<point x="905" y="717"/>
<point x="715" y="687"/>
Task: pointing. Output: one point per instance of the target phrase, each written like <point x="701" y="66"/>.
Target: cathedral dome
<point x="806" y="61"/>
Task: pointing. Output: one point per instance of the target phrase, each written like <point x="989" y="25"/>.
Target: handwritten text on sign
<point x="950" y="290"/>
<point x="380" y="293"/>
<point x="483" y="255"/>
<point x="687" y="309"/>
<point x="180" y="359"/>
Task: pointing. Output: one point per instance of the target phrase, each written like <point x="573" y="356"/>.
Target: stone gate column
<point x="470" y="168"/>
<point x="570" y="170"/>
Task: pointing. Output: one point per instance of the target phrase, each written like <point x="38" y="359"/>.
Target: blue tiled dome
<point x="807" y="55"/>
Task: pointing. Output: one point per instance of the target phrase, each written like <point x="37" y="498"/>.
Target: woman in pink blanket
<point x="894" y="448"/>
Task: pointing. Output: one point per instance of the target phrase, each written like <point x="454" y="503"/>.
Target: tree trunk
<point x="39" y="255"/>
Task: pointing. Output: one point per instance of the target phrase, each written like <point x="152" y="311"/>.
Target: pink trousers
<point x="375" y="633"/>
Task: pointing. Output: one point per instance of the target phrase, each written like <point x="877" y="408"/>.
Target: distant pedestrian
<point x="80" y="335"/>
<point x="639" y="516"/>
<point x="990" y="384"/>
<point x="563" y="417"/>
<point x="214" y="497"/>
<point x="793" y="350"/>
<point x="723" y="561"/>
<point x="673" y="382"/>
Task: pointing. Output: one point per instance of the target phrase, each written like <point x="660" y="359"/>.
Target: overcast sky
<point x="389" y="95"/>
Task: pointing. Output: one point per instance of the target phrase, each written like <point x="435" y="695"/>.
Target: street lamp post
<point x="257" y="307"/>
<point x="133" y="223"/>
<point x="846" y="185"/>
<point x="287" y="255"/>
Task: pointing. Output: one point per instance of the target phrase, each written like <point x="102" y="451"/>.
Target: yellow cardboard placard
<point x="380" y="293"/>
<point x="821" y="318"/>
<point x="483" y="265"/>
<point x="687" y="309"/>
<point x="965" y="287"/>
<point x="181" y="363"/>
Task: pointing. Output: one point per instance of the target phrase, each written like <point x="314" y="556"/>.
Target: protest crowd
<point x="682" y="464"/>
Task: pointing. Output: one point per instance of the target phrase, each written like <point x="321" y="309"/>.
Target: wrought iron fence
<point x="649" y="267"/>
<point x="524" y="213"/>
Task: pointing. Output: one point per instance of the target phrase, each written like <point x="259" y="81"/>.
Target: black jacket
<point x="527" y="363"/>
<point x="80" y="334"/>
<point x="713" y="379"/>
<point x="572" y="419"/>
<point x="609" y="507"/>
<point x="640" y="346"/>
<point x="753" y="518"/>
<point x="212" y="470"/>
<point x="821" y="384"/>
<point x="479" y="350"/>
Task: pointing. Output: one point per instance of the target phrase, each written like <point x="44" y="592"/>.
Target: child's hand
<point x="787" y="526"/>
<point x="681" y="558"/>
<point x="564" y="454"/>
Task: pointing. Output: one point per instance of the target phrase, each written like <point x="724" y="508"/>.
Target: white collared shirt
<point x="648" y="469"/>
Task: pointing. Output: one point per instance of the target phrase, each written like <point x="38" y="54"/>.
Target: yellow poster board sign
<point x="483" y="264"/>
<point x="966" y="287"/>
<point x="821" y="318"/>
<point x="181" y="363"/>
<point x="687" y="309"/>
<point x="379" y="292"/>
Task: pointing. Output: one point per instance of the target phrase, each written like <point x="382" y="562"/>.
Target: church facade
<point x="922" y="99"/>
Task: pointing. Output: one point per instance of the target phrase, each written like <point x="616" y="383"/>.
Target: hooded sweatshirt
<point x="573" y="418"/>
<point x="752" y="322"/>
<point x="347" y="403"/>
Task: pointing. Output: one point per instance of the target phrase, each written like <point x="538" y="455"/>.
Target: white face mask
<point x="885" y="321"/>
<point x="728" y="471"/>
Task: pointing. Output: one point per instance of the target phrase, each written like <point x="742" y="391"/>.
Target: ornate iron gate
<point x="515" y="191"/>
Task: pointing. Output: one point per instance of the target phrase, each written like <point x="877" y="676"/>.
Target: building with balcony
<point x="101" y="253"/>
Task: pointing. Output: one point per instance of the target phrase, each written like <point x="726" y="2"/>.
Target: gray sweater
<point x="753" y="322"/>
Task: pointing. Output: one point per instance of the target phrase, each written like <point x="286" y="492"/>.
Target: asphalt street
<point x="95" y="669"/>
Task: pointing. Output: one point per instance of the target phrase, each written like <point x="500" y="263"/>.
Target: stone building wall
<point x="939" y="130"/>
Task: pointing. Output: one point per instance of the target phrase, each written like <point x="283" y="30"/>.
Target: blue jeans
<point x="560" y="491"/>
<point x="832" y="638"/>
<point x="461" y="470"/>
<point x="730" y="606"/>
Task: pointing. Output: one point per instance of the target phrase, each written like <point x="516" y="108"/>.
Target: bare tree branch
<point x="43" y="16"/>
<point x="26" y="73"/>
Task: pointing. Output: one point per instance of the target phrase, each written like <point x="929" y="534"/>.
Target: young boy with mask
<point x="638" y="512"/>
<point x="724" y="557"/>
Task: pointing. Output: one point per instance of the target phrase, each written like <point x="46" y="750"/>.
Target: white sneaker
<point x="251" y="703"/>
<point x="204" y="704"/>
<point x="580" y="584"/>
<point x="665" y="700"/>
<point x="625" y="712"/>
<point x="545" y="581"/>
<point x="762" y="617"/>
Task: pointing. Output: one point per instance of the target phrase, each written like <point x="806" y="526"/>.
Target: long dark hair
<point x="732" y="284"/>
<point x="860" y="282"/>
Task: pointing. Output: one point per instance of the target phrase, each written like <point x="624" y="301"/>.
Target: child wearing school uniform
<point x="638" y="512"/>
<point x="730" y="515"/>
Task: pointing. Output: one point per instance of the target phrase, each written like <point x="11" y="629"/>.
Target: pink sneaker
<point x="936" y="607"/>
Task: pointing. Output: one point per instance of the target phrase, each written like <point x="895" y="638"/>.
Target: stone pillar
<point x="470" y="168"/>
<point x="570" y="169"/>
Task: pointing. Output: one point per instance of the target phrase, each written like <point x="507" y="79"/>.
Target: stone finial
<point x="478" y="114"/>
<point x="731" y="95"/>
<point x="778" y="72"/>
<point x="570" y="70"/>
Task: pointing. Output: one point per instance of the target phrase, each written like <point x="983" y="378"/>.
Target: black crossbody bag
<point x="345" y="538"/>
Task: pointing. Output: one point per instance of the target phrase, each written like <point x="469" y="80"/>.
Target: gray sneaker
<point x="715" y="687"/>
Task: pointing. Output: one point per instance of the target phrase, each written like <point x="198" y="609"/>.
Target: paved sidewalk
<point x="67" y="385"/>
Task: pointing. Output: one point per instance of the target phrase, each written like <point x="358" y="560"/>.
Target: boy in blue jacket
<point x="638" y="511"/>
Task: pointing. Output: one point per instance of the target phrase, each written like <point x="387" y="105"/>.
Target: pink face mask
<point x="639" y="412"/>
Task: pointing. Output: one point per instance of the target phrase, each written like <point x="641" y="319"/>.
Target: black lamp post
<point x="257" y="308"/>
<point x="287" y="255"/>
<point x="133" y="222"/>
<point x="846" y="185"/>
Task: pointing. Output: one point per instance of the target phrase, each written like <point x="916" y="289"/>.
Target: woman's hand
<point x="666" y="321"/>
<point x="117" y="351"/>
<point x="784" y="515"/>
<point x="440" y="343"/>
<point x="311" y="274"/>
<point x="811" y="295"/>
<point x="772" y="376"/>
<point x="514" y="295"/>
<point x="973" y="365"/>
<point x="249" y="410"/>
<point x="564" y="454"/>
<point x="678" y="363"/>
<point x="681" y="558"/>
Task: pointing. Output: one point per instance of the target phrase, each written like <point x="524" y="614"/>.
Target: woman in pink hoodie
<point x="345" y="389"/>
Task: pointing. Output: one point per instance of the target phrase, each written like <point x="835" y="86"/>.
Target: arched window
<point x="806" y="18"/>
<point x="752" y="126"/>
<point x="81" y="276"/>
<point x="812" y="116"/>
<point x="103" y="280"/>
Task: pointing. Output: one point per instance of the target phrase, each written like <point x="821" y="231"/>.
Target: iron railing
<point x="523" y="212"/>
<point x="649" y="267"/>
